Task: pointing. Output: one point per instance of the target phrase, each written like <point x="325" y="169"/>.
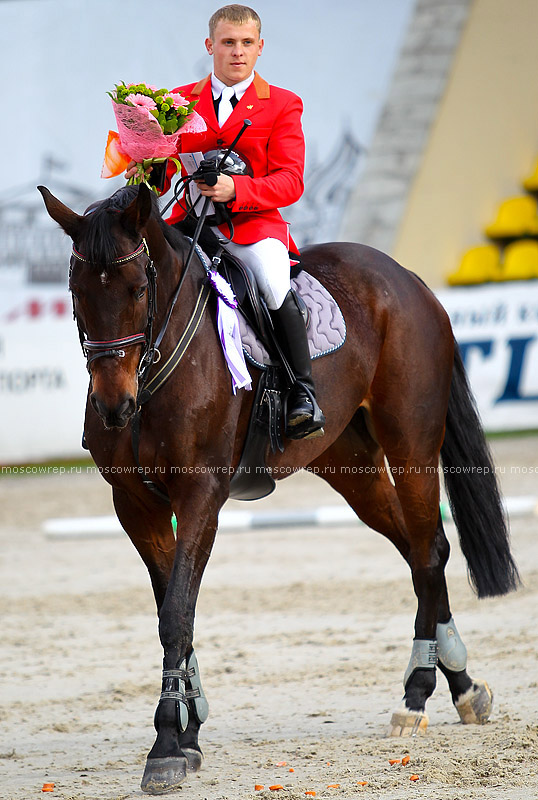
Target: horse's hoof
<point x="163" y="775"/>
<point x="474" y="707"/>
<point x="194" y="759"/>
<point x="405" y="722"/>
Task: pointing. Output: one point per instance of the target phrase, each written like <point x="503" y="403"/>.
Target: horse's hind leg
<point x="411" y="432"/>
<point x="472" y="699"/>
<point x="373" y="497"/>
<point x="417" y="487"/>
<point x="354" y="466"/>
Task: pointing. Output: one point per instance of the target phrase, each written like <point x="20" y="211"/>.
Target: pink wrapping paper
<point x="141" y="136"/>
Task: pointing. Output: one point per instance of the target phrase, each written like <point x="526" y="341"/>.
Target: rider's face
<point x="235" y="50"/>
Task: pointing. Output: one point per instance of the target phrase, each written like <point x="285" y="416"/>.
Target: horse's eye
<point x="139" y="293"/>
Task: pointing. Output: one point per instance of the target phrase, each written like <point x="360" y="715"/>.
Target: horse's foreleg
<point x="182" y="706"/>
<point x="148" y="523"/>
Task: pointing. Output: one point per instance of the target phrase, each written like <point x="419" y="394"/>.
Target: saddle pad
<point x="326" y="328"/>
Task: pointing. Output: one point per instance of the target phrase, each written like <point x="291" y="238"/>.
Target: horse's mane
<point x="100" y="244"/>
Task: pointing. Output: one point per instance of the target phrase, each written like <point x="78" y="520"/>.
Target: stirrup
<point x="307" y="430"/>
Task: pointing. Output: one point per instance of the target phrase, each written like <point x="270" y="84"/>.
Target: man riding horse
<point x="403" y="400"/>
<point x="274" y="148"/>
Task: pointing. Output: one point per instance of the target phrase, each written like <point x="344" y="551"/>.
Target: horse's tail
<point x="473" y="493"/>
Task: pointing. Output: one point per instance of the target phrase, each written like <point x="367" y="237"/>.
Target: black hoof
<point x="194" y="759"/>
<point x="163" y="775"/>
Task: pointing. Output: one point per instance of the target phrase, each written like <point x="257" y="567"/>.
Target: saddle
<point x="324" y="322"/>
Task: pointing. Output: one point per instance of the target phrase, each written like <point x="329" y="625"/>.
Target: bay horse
<point x="396" y="400"/>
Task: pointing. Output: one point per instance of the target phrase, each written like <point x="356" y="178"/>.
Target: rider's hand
<point x="222" y="192"/>
<point x="132" y="169"/>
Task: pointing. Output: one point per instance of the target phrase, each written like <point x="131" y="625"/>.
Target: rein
<point x="147" y="389"/>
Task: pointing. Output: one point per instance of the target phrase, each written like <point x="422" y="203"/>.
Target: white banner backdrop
<point x="43" y="379"/>
<point x="497" y="329"/>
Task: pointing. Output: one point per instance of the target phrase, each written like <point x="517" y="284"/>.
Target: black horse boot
<point x="304" y="418"/>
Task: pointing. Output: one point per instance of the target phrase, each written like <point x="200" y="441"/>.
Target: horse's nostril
<point x="126" y="409"/>
<point x="97" y="405"/>
<point x="116" y="417"/>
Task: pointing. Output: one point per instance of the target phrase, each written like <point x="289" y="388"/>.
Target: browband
<point x="122" y="260"/>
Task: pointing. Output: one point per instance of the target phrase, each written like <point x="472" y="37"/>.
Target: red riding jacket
<point x="274" y="146"/>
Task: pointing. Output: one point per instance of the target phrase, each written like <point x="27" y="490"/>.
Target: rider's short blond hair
<point x="235" y="14"/>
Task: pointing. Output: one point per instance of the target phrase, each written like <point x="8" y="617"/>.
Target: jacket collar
<point x="263" y="90"/>
<point x="251" y="102"/>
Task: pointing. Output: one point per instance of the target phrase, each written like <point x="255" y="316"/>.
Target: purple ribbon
<point x="229" y="333"/>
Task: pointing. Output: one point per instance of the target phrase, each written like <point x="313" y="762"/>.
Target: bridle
<point x="151" y="353"/>
<point x="116" y="347"/>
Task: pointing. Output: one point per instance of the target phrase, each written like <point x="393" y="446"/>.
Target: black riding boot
<point x="304" y="417"/>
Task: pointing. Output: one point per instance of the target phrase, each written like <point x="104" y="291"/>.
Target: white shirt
<point x="240" y="88"/>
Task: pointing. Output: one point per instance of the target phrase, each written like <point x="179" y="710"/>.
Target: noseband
<point x="116" y="347"/>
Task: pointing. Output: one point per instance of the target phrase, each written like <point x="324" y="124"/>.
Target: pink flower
<point x="141" y="100"/>
<point x="177" y="99"/>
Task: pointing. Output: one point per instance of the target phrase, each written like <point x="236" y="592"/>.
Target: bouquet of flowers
<point x="150" y="122"/>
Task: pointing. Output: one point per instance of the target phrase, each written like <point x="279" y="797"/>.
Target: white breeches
<point x="269" y="261"/>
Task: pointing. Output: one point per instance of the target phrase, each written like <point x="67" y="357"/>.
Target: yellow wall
<point x="483" y="142"/>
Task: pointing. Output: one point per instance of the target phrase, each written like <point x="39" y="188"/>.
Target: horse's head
<point x="111" y="279"/>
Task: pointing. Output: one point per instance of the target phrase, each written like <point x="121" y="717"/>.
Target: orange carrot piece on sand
<point x="393" y="761"/>
<point x="333" y="786"/>
<point x="310" y="794"/>
<point x="258" y="787"/>
<point x="413" y="777"/>
<point x="276" y="786"/>
<point x="362" y="783"/>
<point x="406" y="760"/>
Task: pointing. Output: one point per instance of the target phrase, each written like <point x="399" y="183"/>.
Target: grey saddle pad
<point x="326" y="328"/>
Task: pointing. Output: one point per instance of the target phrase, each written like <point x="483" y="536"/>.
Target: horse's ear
<point x="137" y="213"/>
<point x="66" y="219"/>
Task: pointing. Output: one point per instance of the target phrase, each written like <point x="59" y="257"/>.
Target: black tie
<point x="216" y="100"/>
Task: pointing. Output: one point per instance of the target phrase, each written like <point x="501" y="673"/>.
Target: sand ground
<point x="302" y="636"/>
